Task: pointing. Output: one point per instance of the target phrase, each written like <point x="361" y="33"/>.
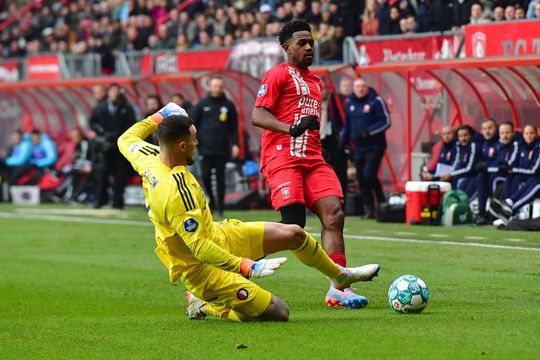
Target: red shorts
<point x="301" y="182"/>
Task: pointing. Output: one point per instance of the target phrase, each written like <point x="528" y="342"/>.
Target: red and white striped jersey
<point x="290" y="93"/>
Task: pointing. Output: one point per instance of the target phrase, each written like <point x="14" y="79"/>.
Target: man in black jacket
<point x="216" y="119"/>
<point x="110" y="118"/>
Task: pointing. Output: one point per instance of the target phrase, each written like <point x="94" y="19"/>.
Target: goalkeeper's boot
<point x="337" y="298"/>
<point x="194" y="308"/>
<point x="347" y="276"/>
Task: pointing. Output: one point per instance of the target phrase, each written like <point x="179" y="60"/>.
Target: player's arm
<point x="131" y="143"/>
<point x="381" y="116"/>
<point x="264" y="119"/>
<point x="189" y="225"/>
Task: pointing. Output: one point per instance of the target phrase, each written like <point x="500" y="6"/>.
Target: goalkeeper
<point x="210" y="258"/>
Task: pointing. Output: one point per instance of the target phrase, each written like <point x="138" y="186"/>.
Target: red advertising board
<point x="406" y="49"/>
<point x="503" y="39"/>
<point x="202" y="60"/>
<point x="9" y="70"/>
<point x="43" y="67"/>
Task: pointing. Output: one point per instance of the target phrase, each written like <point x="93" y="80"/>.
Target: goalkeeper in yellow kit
<point x="210" y="258"/>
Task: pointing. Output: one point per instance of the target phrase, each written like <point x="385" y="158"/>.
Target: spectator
<point x="109" y="120"/>
<point x="76" y="184"/>
<point x="216" y="119"/>
<point x="366" y="121"/>
<point x="463" y="175"/>
<point x="519" y="13"/>
<point x="477" y="15"/>
<point x="445" y="158"/>
<point x="331" y="126"/>
<point x="182" y="43"/>
<point x="533" y="9"/>
<point x="462" y="12"/>
<point x="383" y="17"/>
<point x="370" y="23"/>
<point x="393" y="23"/>
<point x="510" y="13"/>
<point x="204" y="41"/>
<point x="498" y="14"/>
<point x="345" y="89"/>
<point x="314" y="15"/>
<point x="165" y="39"/>
<point x="327" y="43"/>
<point x="18" y="154"/>
<point x="524" y="184"/>
<point x="492" y="173"/>
<point x="181" y="100"/>
<point x="41" y="159"/>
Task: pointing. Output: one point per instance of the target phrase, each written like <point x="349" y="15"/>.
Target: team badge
<point x="286" y="192"/>
<point x="351" y="107"/>
<point x="242" y="294"/>
<point x="491" y="151"/>
<point x="262" y="90"/>
<point x="191" y="225"/>
<point x="366" y="108"/>
<point x="448" y="155"/>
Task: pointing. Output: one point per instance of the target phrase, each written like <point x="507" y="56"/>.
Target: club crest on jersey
<point x="242" y="294"/>
<point x="262" y="90"/>
<point x="366" y="108"/>
<point x="286" y="192"/>
<point x="191" y="225"/>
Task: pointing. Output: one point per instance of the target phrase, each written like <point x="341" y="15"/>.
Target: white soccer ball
<point x="408" y="294"/>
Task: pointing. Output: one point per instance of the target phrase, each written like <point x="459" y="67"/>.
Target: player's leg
<point x="525" y="194"/>
<point x="293" y="214"/>
<point x="214" y="292"/>
<point x="323" y="197"/>
<point x="484" y="191"/>
<point x="286" y="186"/>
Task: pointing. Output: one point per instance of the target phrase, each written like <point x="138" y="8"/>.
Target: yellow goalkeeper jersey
<point x="176" y="205"/>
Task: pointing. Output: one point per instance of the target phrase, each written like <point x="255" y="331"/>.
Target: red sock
<point x="338" y="258"/>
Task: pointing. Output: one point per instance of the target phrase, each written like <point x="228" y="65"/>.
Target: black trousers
<point x="113" y="165"/>
<point x="338" y="161"/>
<point x="217" y="197"/>
<point x="367" y="166"/>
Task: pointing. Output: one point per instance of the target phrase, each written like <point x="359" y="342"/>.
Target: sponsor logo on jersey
<point x="191" y="225"/>
<point x="262" y="90"/>
<point x="134" y="148"/>
<point x="152" y="180"/>
<point x="242" y="294"/>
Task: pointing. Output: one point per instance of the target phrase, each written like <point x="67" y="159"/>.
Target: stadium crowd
<point x="106" y="26"/>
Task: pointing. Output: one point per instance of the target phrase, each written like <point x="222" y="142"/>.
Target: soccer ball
<point x="408" y="294"/>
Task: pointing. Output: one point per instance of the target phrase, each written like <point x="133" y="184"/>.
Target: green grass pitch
<point x="75" y="287"/>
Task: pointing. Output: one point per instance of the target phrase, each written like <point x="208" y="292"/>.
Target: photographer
<point x="109" y="119"/>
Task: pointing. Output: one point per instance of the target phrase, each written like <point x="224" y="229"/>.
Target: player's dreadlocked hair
<point x="289" y="29"/>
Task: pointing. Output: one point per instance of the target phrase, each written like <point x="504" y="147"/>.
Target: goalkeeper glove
<point x="260" y="268"/>
<point x="306" y="123"/>
<point x="168" y="110"/>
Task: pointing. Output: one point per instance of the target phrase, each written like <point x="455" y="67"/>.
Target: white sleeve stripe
<point x="387" y="123"/>
<point x="469" y="165"/>
<point x="514" y="153"/>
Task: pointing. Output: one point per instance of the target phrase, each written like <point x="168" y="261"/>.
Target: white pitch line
<point x="474" y="237"/>
<point x="404" y="233"/>
<point x="9" y="215"/>
<point x="453" y="243"/>
<point x="438" y="235"/>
